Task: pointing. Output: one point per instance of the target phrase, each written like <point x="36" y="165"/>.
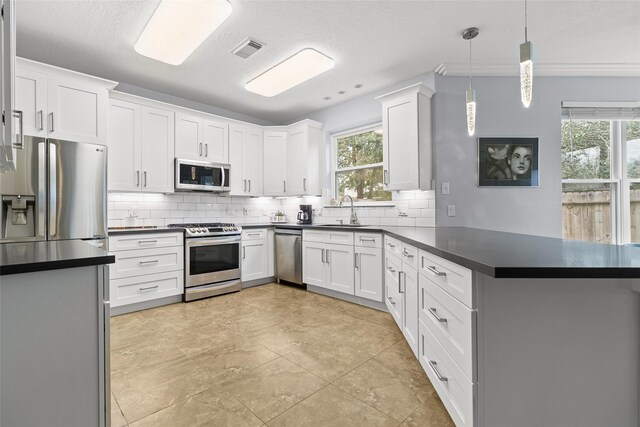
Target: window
<point x="601" y="173"/>
<point x="357" y="165"/>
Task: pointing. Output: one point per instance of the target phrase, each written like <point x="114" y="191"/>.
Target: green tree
<point x="586" y="147"/>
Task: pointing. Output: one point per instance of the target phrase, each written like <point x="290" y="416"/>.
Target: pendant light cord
<point x="525" y="21"/>
<point x="470" y="73"/>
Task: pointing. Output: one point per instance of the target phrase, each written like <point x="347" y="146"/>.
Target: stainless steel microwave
<point x="192" y="175"/>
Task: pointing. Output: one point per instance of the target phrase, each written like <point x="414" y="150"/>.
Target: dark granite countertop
<point x="28" y="257"/>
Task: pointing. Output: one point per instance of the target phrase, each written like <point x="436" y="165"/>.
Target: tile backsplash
<point x="412" y="208"/>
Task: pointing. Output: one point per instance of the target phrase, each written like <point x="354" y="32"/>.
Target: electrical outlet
<point x="445" y="188"/>
<point x="230" y="212"/>
<point x="402" y="211"/>
<point x="451" y="210"/>
<point x="245" y="211"/>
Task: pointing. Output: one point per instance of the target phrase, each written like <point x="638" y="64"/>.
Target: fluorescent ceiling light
<point x="299" y="68"/>
<point x="177" y="28"/>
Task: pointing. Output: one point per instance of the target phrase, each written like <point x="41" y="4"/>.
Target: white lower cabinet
<point x="313" y="266"/>
<point x="255" y="254"/>
<point x="148" y="266"/>
<point x="409" y="287"/>
<point x="368" y="268"/>
<point x="340" y="274"/>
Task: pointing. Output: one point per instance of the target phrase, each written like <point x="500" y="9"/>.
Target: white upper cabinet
<point x="141" y="144"/>
<point x="62" y="104"/>
<point x="10" y="139"/>
<point x="202" y="138"/>
<point x="275" y="163"/>
<point x="245" y="158"/>
<point x="407" y="151"/>
<point x="293" y="160"/>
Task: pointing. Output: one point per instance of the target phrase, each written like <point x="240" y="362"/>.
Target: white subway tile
<point x="425" y="222"/>
<point x="428" y="213"/>
<point x="114" y="223"/>
<point x="407" y="222"/>
<point x="388" y="221"/>
<point x="418" y="204"/>
<point x="391" y="212"/>
<point x="174" y="198"/>
<point x="131" y="197"/>
<point x="155" y="222"/>
<point x="115" y="197"/>
<point x="152" y="197"/>
<point x="189" y="198"/>
<point x="432" y="204"/>
<point x="204" y="207"/>
<point x="125" y="206"/>
<point x="186" y="206"/>
<point x="160" y="214"/>
<point x="370" y="221"/>
<point x="143" y="214"/>
<point x="414" y="213"/>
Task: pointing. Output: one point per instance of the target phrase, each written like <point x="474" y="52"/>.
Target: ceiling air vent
<point x="246" y="48"/>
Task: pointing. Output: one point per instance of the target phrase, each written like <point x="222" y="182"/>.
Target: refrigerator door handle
<point x="42" y="189"/>
<point x="53" y="190"/>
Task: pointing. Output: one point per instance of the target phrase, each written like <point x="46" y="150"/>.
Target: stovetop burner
<point x="208" y="229"/>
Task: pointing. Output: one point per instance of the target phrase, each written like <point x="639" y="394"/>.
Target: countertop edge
<point x="144" y="231"/>
<point x="34" y="267"/>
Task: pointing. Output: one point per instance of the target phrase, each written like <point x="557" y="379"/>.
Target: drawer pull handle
<point x="434" y="366"/>
<point x="144" y="242"/>
<point x="367" y="240"/>
<point x="254" y="234"/>
<point x="433" y="269"/>
<point x="153" y="261"/>
<point x="434" y="314"/>
<point x="391" y="269"/>
<point x="391" y="245"/>
<point x="149" y="288"/>
<point x="391" y="300"/>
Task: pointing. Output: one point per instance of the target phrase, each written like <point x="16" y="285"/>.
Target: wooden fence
<point x="586" y="215"/>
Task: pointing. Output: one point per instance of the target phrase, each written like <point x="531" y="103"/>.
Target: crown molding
<point x="560" y="70"/>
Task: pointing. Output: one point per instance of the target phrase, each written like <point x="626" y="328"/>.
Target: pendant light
<point x="526" y="66"/>
<point x="468" y="34"/>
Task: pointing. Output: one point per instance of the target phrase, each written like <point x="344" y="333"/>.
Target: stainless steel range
<point x="212" y="259"/>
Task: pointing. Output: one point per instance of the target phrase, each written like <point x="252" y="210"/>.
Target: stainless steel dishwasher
<point x="289" y="255"/>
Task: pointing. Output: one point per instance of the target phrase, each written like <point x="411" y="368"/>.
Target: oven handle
<point x="211" y="242"/>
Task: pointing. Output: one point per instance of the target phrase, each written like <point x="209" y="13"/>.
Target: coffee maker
<point x="305" y="216"/>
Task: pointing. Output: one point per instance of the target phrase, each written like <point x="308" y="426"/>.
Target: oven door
<point x="210" y="260"/>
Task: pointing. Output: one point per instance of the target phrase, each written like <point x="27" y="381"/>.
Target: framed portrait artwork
<point x="507" y="162"/>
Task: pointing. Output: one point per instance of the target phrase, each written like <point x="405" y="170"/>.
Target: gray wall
<point x="500" y="113"/>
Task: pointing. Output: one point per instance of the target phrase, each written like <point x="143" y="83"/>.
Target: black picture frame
<point x="502" y="162"/>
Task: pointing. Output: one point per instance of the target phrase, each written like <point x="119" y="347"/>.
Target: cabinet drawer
<point x="410" y="256"/>
<point x="392" y="245"/>
<point x="335" y="237"/>
<point x="144" y="241"/>
<point x="450" y="322"/>
<point x="451" y="277"/>
<point x="368" y="240"/>
<point x="144" y="288"/>
<point x="454" y="389"/>
<point x="254" y="234"/>
<point x="147" y="261"/>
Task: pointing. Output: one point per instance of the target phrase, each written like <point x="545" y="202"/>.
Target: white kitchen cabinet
<point x="368" y="269"/>
<point x="328" y="260"/>
<point x="313" y="265"/>
<point x="141" y="144"/>
<point x="10" y="140"/>
<point x="340" y="272"/>
<point x="255" y="254"/>
<point x="393" y="300"/>
<point x="275" y="163"/>
<point x="62" y="104"/>
<point x="148" y="266"/>
<point x="245" y="158"/>
<point x="202" y="137"/>
<point x="409" y="289"/>
<point x="407" y="147"/>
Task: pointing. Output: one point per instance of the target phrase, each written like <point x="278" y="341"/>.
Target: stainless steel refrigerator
<point x="57" y="192"/>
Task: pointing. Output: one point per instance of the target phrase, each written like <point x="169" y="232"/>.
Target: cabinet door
<point x="31" y="99"/>
<point x="157" y="150"/>
<point x="255" y="257"/>
<point x="314" y="271"/>
<point x="393" y="298"/>
<point x="368" y="269"/>
<point x="409" y="289"/>
<point x="400" y="141"/>
<point x="77" y="110"/>
<point x="253" y="161"/>
<point x="124" y="172"/>
<point x="340" y="276"/>
<point x="275" y="163"/>
<point x="216" y="141"/>
<point x="8" y="153"/>
<point x="188" y="137"/>
<point x="297" y="152"/>
<point x="237" y="180"/>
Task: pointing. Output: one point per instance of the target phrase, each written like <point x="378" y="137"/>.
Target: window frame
<point x="334" y="164"/>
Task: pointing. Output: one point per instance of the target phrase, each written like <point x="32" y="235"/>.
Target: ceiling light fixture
<point x="526" y="66"/>
<point x="299" y="68"/>
<point x="469" y="34"/>
<point x="177" y="28"/>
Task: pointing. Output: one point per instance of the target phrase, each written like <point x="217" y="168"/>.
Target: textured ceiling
<point x="374" y="44"/>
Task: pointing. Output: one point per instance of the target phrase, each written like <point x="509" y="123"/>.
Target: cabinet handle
<point x="434" y="314"/>
<point x="149" y="287"/>
<point x="206" y="150"/>
<point x="407" y="254"/>
<point x="143" y="242"/>
<point x="322" y="256"/>
<point x="153" y="261"/>
<point x="328" y="256"/>
<point x="304" y="184"/>
<point x="367" y="240"/>
<point x="20" y="144"/>
<point x="40" y="123"/>
<point x="145" y="178"/>
<point x="434" y="367"/>
<point x="284" y="185"/>
<point x="245" y="185"/>
<point x="51" y="122"/>
<point x="253" y="234"/>
<point x="391" y="245"/>
<point x="137" y="178"/>
<point x="249" y="186"/>
<point x="433" y="269"/>
<point x="391" y="269"/>
<point x="400" y="282"/>
<point x="355" y="255"/>
<point x="244" y="253"/>
<point x="391" y="300"/>
<point x="385" y="180"/>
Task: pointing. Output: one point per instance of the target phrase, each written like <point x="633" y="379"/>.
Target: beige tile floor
<point x="272" y="355"/>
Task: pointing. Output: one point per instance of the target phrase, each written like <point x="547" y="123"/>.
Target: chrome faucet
<point x="354" y="218"/>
